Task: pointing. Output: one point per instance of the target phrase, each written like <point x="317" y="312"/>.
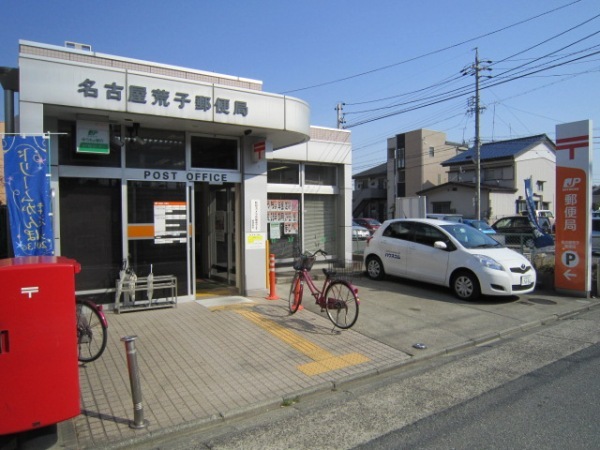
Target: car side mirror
<point x="440" y="244"/>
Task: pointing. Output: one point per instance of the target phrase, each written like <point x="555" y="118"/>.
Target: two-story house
<point x="422" y="163"/>
<point x="504" y="167"/>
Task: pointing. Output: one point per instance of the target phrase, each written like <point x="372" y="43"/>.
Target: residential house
<point x="504" y="167"/>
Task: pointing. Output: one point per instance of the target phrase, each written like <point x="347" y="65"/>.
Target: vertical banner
<point x="27" y="181"/>
<point x="530" y="203"/>
<point x="572" y="272"/>
<point x="541" y="238"/>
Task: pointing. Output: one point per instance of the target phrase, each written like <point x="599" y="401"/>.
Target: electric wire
<point x="368" y="72"/>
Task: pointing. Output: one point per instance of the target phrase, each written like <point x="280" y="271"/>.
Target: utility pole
<point x="477" y="138"/>
<point x="340" y="115"/>
<point x="475" y="70"/>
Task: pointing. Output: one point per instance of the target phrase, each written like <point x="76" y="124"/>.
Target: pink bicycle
<point x="338" y="297"/>
<point x="92" y="331"/>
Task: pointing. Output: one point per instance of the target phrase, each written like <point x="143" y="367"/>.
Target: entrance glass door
<point x="215" y="234"/>
<point x="222" y="254"/>
<point x="157" y="231"/>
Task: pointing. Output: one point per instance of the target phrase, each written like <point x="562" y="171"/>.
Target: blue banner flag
<point x="541" y="238"/>
<point x="27" y="181"/>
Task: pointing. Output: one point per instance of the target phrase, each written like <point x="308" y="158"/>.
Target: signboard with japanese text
<point x="256" y="241"/>
<point x="284" y="212"/>
<point x="170" y="222"/>
<point x="572" y="273"/>
<point x="93" y="137"/>
<point x="115" y="89"/>
<point x="255" y="212"/>
<point x="27" y="181"/>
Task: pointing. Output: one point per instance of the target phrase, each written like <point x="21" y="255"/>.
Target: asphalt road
<point x="555" y="407"/>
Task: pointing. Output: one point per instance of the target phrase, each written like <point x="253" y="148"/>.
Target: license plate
<point x="526" y="279"/>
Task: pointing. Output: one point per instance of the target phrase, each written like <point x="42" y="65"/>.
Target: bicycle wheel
<point x="91" y="332"/>
<point x="296" y="291"/>
<point x="342" y="304"/>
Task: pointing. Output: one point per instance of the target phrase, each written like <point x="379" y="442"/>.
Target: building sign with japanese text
<point x="93" y="137"/>
<point x="170" y="222"/>
<point x="27" y="180"/>
<point x="284" y="212"/>
<point x="95" y="86"/>
<point x="572" y="271"/>
<point x="162" y="95"/>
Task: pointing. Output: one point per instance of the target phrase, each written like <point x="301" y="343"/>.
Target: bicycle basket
<point x="304" y="262"/>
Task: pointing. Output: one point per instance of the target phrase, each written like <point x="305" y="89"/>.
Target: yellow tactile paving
<point x="332" y="363"/>
<point x="323" y="360"/>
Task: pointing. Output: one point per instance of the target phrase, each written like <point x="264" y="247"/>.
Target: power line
<point x="389" y="66"/>
<point x="460" y="94"/>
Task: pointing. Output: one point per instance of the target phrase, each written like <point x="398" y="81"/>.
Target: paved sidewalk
<point x="207" y="361"/>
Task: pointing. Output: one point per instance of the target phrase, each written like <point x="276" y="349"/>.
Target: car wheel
<point x="465" y="286"/>
<point x="375" y="268"/>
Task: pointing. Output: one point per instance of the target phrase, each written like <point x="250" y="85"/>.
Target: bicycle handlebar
<point x="319" y="251"/>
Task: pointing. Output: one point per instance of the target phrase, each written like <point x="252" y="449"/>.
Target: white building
<point x="200" y="175"/>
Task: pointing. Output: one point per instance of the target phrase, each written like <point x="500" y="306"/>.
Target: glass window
<point x="399" y="230"/>
<point x="284" y="219"/>
<point x="428" y="235"/>
<point x="154" y="149"/>
<point x="320" y="175"/>
<point x="144" y="251"/>
<point x="67" y="148"/>
<point x="93" y="240"/>
<point x="283" y="173"/>
<point x="214" y="153"/>
<point x="400" y="158"/>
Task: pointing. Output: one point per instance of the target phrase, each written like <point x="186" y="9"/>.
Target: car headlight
<point x="488" y="262"/>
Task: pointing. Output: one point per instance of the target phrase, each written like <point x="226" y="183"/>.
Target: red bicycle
<point x="338" y="297"/>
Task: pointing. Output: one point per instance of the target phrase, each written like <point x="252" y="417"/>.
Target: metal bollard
<point x="134" y="379"/>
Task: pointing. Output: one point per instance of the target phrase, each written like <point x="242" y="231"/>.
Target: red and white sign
<point x="258" y="152"/>
<point x="572" y="272"/>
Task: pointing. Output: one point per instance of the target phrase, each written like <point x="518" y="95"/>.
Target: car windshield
<point x="372" y="222"/>
<point x="481" y="224"/>
<point x="470" y="237"/>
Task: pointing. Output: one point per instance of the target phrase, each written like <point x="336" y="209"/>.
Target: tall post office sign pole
<point x="572" y="271"/>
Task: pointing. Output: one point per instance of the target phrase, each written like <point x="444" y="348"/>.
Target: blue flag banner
<point x="541" y="238"/>
<point x="530" y="203"/>
<point x="27" y="182"/>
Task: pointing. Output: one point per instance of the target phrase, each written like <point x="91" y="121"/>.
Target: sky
<point x="396" y="66"/>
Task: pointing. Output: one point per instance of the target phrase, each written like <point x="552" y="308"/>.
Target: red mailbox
<point x="39" y="371"/>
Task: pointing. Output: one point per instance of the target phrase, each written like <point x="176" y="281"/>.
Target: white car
<point x="449" y="254"/>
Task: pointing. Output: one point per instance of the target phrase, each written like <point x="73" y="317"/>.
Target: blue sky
<point x="381" y="58"/>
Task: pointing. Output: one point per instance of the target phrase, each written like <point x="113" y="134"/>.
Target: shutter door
<point x="320" y="223"/>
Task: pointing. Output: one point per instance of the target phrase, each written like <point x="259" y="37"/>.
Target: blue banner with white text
<point x="27" y="182"/>
<point x="542" y="239"/>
